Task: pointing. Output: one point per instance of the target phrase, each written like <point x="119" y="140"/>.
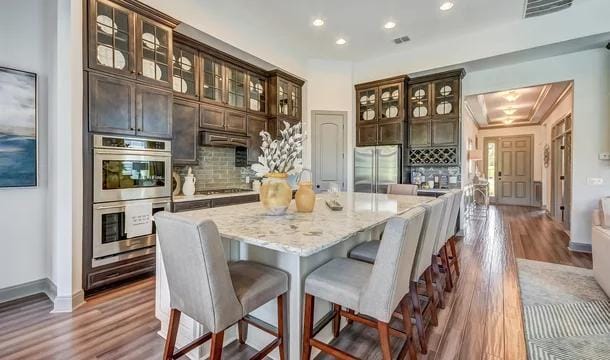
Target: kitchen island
<point x="297" y="243"/>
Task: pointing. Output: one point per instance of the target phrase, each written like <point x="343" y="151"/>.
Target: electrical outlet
<point x="595" y="181"/>
<point x="604" y="156"/>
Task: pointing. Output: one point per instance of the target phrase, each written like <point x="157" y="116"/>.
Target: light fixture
<point x="508" y="120"/>
<point x="318" y="22"/>
<point x="511" y="96"/>
<point x="341" y="41"/>
<point x="447" y="5"/>
<point x="389" y="25"/>
<point x="510" y="111"/>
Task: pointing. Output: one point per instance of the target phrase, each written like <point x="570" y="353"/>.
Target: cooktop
<point x="221" y="191"/>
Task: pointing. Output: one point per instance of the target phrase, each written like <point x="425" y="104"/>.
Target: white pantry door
<point x="328" y="153"/>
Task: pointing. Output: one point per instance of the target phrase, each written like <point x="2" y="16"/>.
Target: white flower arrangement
<point x="281" y="155"/>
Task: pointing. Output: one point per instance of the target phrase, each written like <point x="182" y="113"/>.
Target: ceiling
<point x="518" y="107"/>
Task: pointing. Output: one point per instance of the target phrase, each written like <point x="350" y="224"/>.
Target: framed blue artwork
<point x="18" y="129"/>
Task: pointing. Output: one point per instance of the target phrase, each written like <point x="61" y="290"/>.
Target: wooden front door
<point x="514" y="178"/>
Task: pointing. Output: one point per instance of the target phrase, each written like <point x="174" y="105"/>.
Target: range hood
<point x="210" y="138"/>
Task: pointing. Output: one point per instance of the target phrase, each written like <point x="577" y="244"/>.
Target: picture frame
<point x="18" y="128"/>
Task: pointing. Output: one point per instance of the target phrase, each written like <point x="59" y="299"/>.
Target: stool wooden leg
<point x="216" y="346"/>
<point x="350" y="321"/>
<point x="455" y="256"/>
<point x="336" y="320"/>
<point x="242" y="331"/>
<point x="384" y="339"/>
<point x="406" y="320"/>
<point x="281" y="321"/>
<point x="308" y="326"/>
<point x="172" y="333"/>
<point x="447" y="268"/>
<point x="438" y="281"/>
<point x="431" y="295"/>
<point x="419" y="319"/>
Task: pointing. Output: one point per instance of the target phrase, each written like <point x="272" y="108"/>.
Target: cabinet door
<point x="212" y="82"/>
<point x="185" y="71"/>
<point x="236" y="87"/>
<point x="419" y="133"/>
<point x="367" y="105"/>
<point x="185" y="125"/>
<point x="111" y="38"/>
<point x="366" y="135"/>
<point x="295" y="101"/>
<point x="111" y="105"/>
<point x="255" y="126"/>
<point x="257" y="93"/>
<point x="283" y="97"/>
<point x="235" y="121"/>
<point x="212" y="117"/>
<point x="154" y="50"/>
<point x="391" y="102"/>
<point x="390" y="133"/>
<point x="445" y="132"/>
<point x="153" y="112"/>
<point x="445" y="102"/>
<point x="419" y="101"/>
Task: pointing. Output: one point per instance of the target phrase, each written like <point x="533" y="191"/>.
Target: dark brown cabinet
<point x="381" y="112"/>
<point x="235" y="121"/>
<point x="257" y="93"/>
<point x="153" y="112"/>
<point x="256" y="124"/>
<point x="236" y="87"/>
<point x="154" y="52"/>
<point x="221" y="119"/>
<point x="185" y="71"/>
<point x="285" y="100"/>
<point x="185" y="125"/>
<point x="112" y="105"/>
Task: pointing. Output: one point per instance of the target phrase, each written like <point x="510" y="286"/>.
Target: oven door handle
<point x="135" y="153"/>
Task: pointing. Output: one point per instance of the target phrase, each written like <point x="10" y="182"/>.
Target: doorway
<point x="328" y="149"/>
<point x="561" y="171"/>
<point x="508" y="166"/>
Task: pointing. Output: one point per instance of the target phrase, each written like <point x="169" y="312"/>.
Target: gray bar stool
<point x="450" y="236"/>
<point x="402" y="189"/>
<point x="441" y="275"/>
<point x="216" y="294"/>
<point x="374" y="291"/>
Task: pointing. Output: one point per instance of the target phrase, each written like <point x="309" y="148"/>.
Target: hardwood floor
<point x="482" y="320"/>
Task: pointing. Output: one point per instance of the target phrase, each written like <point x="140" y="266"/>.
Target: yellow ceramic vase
<point x="305" y="197"/>
<point x="276" y="194"/>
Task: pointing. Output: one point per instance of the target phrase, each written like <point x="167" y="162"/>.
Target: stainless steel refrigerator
<point x="375" y="167"/>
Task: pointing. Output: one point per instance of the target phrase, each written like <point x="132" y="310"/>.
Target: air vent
<point x="402" y="39"/>
<point x="543" y="7"/>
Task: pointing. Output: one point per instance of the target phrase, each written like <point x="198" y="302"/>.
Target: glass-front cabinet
<point x="236" y="87"/>
<point x="282" y="98"/>
<point x="391" y="103"/>
<point x="445" y="97"/>
<point x="367" y="105"/>
<point x="212" y="83"/>
<point x="257" y="93"/>
<point x="185" y="69"/>
<point x="111" y="38"/>
<point x="153" y="45"/>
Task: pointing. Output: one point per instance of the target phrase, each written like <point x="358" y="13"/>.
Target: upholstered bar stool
<point x="452" y="257"/>
<point x="441" y="276"/>
<point x="422" y="268"/>
<point x="216" y="294"/>
<point x="402" y="189"/>
<point x="374" y="291"/>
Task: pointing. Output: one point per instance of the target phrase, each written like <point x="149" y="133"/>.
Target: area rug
<point x="567" y="314"/>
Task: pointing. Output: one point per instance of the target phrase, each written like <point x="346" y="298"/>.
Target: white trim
<point x="44" y="286"/>
<point x="580" y="247"/>
<point x="63" y="304"/>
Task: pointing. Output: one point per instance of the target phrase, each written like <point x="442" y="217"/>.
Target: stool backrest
<point x="402" y="189"/>
<point x="444" y="224"/>
<point x="197" y="272"/>
<point x="427" y="239"/>
<point x="455" y="210"/>
<point x="389" y="280"/>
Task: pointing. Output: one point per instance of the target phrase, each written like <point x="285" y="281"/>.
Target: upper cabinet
<point x="127" y="43"/>
<point x="257" y="93"/>
<point x="185" y="71"/>
<point x="212" y="83"/>
<point x="236" y="87"/>
<point x="381" y="112"/>
<point x="285" y="96"/>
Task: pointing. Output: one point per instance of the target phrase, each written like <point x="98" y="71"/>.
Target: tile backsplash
<point x="216" y="169"/>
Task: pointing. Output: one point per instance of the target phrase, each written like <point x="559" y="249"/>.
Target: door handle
<point x="499" y="173"/>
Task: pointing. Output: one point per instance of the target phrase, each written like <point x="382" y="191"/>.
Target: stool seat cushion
<point x="256" y="284"/>
<point x="366" y="252"/>
<point x="339" y="281"/>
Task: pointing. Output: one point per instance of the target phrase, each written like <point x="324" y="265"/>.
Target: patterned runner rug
<point x="567" y="314"/>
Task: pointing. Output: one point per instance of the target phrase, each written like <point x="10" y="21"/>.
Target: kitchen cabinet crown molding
<point x="458" y="73"/>
<point x="385" y="81"/>
<point x="149" y="12"/>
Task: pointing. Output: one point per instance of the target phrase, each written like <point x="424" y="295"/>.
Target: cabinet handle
<point x="133" y="71"/>
<point x="139" y="73"/>
<point x="130" y="128"/>
<point x="139" y="129"/>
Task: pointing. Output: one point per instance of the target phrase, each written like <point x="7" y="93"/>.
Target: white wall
<point x="24" y="29"/>
<point x="469" y="131"/>
<point x="590" y="71"/>
<point x="329" y="87"/>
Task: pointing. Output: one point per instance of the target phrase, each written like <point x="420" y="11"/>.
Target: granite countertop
<point x="196" y="197"/>
<point x="305" y="234"/>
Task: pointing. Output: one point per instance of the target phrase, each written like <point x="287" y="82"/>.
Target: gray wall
<point x="216" y="169"/>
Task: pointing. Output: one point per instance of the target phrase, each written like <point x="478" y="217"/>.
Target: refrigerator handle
<point x="375" y="171"/>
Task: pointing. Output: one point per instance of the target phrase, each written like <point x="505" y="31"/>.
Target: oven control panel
<point x="115" y="142"/>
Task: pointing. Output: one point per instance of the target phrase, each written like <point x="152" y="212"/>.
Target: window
<point x="491" y="168"/>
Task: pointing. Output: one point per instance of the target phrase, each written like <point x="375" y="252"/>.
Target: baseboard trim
<point x="44" y="286"/>
<point x="63" y="304"/>
<point x="580" y="247"/>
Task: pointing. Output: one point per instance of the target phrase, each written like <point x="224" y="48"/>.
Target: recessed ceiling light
<point x="318" y="22"/>
<point x="341" y="41"/>
<point x="510" y="111"/>
<point x="389" y="25"/>
<point x="447" y="5"/>
<point x="511" y="96"/>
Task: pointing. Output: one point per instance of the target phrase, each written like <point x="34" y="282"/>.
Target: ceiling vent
<point x="543" y="7"/>
<point x="402" y="39"/>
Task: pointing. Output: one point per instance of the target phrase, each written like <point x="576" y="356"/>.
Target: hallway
<point x="482" y="320"/>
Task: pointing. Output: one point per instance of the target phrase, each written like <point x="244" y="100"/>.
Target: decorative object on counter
<point x="305" y="197"/>
<point x="280" y="158"/>
<point x="334" y="205"/>
<point x="18" y="141"/>
<point x="188" y="188"/>
<point x="176" y="183"/>
<point x="430" y="184"/>
<point x="256" y="185"/>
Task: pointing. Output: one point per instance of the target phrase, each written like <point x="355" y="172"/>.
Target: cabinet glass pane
<point x="257" y="94"/>
<point x="390" y="102"/>
<point x="184" y="71"/>
<point x="112" y="37"/>
<point x="420" y="100"/>
<point x="212" y="79"/>
<point x="236" y="88"/>
<point x="282" y="98"/>
<point x="294" y="101"/>
<point x="445" y="97"/>
<point x="368" y="105"/>
<point x="154" y="52"/>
